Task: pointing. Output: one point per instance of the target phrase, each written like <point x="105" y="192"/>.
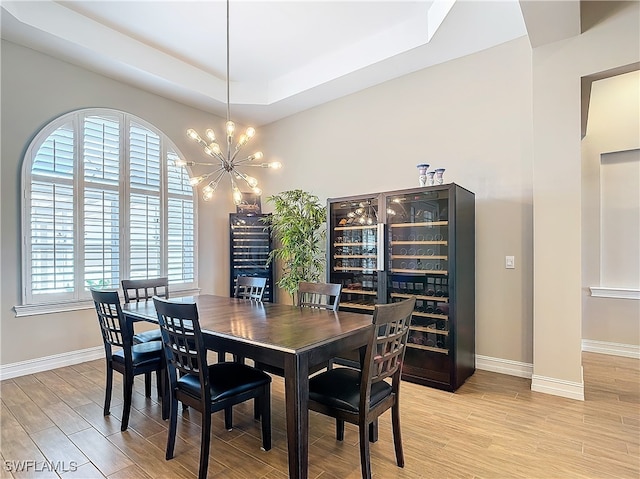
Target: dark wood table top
<point x="288" y="328"/>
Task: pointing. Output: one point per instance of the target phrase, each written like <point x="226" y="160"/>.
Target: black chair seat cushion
<point x="225" y="380"/>
<point x="146" y="336"/>
<point x="143" y="354"/>
<point x="340" y="388"/>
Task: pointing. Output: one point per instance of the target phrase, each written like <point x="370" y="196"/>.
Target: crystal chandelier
<point x="227" y="164"/>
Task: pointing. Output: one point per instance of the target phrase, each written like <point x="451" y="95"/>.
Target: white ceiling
<point x="285" y="56"/>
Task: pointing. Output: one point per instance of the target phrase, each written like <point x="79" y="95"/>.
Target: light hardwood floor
<point x="492" y="427"/>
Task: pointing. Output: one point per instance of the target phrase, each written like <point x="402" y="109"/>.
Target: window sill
<point x="615" y="293"/>
<point x="50" y="308"/>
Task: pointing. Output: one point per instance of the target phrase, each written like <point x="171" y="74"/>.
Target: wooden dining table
<point x="288" y="337"/>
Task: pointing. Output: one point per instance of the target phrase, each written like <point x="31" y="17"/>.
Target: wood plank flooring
<point x="492" y="427"/>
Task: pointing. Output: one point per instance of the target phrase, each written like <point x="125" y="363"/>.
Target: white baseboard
<point x="22" y="368"/>
<point x="557" y="387"/>
<point x="504" y="366"/>
<point x="485" y="363"/>
<point x="614" y="349"/>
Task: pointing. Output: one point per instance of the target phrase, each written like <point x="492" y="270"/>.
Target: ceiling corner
<point x="549" y="22"/>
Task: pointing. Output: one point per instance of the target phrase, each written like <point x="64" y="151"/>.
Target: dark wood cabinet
<point x="418" y="242"/>
<point x="250" y="245"/>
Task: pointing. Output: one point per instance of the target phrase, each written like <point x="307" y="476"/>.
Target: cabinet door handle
<point x="379" y="248"/>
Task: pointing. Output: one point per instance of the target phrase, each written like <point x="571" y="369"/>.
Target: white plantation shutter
<point x="102" y="239"/>
<point x="144" y="221"/>
<point x="101" y="161"/>
<point x="50" y="238"/>
<point x="180" y="224"/>
<point x="103" y="201"/>
<point x="144" y="231"/>
<point x="180" y="241"/>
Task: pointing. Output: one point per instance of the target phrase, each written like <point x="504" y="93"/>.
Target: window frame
<point x="79" y="298"/>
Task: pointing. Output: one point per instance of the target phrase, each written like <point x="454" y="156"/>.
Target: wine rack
<point x="250" y="245"/>
<point x="420" y="242"/>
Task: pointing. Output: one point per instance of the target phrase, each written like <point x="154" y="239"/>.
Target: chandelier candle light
<point x="227" y="163"/>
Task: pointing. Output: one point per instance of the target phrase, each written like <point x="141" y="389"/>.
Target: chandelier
<point x="227" y="163"/>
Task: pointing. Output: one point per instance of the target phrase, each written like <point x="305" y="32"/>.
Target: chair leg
<point x="265" y="406"/>
<point x="164" y="395"/>
<point x="339" y="429"/>
<point x="365" y="456"/>
<point x="373" y="431"/>
<point x="107" y="393"/>
<point x="173" y="424"/>
<point x="228" y="418"/>
<point x="397" y="437"/>
<point x="205" y="443"/>
<point x="128" y="392"/>
<point x="159" y="374"/>
<point x="147" y="385"/>
<point x="256" y="408"/>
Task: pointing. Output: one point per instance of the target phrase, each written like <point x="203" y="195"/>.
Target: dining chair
<point x="311" y="295"/>
<point x="319" y="295"/>
<point x="327" y="296"/>
<point x="138" y="290"/>
<point x="361" y="396"/>
<point x="132" y="359"/>
<point x="250" y="287"/>
<point x="206" y="388"/>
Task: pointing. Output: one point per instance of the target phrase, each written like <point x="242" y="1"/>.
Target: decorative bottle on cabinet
<point x="250" y="245"/>
<point x="417" y="242"/>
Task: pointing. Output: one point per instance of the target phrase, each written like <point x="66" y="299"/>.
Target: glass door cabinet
<point x="354" y="260"/>
<point x="250" y="245"/>
<point x="419" y="242"/>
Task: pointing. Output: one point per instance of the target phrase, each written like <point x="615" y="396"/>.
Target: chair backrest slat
<point x="250" y="287"/>
<point x="110" y="318"/>
<point x="182" y="339"/>
<point x="144" y="289"/>
<point x="319" y="295"/>
<point x="385" y="352"/>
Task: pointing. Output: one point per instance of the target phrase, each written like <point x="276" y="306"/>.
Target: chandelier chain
<point x="226" y="164"/>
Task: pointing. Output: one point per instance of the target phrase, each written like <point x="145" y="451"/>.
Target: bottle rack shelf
<point x="428" y="348"/>
<point x="413" y="225"/>
<point x="368" y="307"/>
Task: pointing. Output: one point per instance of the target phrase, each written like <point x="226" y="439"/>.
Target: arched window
<point x="103" y="200"/>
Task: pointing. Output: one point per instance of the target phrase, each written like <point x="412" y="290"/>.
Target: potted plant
<point x="298" y="224"/>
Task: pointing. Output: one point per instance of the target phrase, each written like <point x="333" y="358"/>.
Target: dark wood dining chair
<point x="326" y="296"/>
<point x="206" y="388"/>
<point x="250" y="287"/>
<point x="361" y="396"/>
<point x="132" y="359"/>
<point x="139" y="290"/>
<point x="319" y="295"/>
<point x="311" y="295"/>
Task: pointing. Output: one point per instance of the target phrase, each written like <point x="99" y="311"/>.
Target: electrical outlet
<point x="510" y="262"/>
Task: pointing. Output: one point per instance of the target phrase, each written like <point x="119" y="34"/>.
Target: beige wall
<point x="614" y="125"/>
<point x="557" y="69"/>
<point x="505" y="123"/>
<point x="36" y="89"/>
<point x="471" y="116"/>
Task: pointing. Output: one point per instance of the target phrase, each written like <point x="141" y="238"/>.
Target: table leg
<point x="296" y="386"/>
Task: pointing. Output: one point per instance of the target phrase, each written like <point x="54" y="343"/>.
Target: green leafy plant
<point x="97" y="283"/>
<point x="298" y="224"/>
